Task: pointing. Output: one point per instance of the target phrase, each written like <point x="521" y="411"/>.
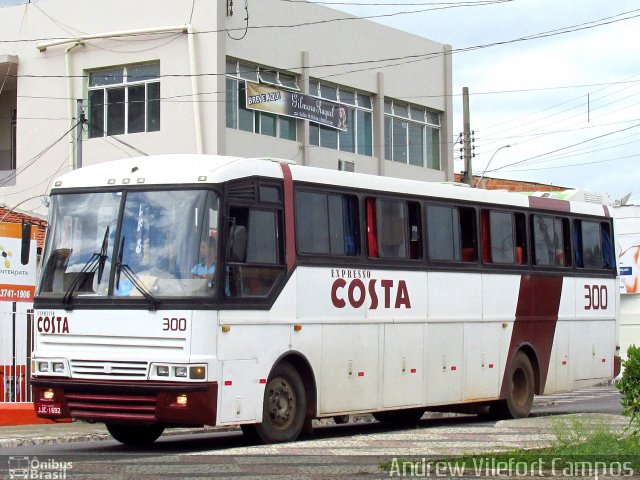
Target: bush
<point x="629" y="387"/>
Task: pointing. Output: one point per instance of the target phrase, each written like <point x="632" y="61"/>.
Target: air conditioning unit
<point x="346" y="166"/>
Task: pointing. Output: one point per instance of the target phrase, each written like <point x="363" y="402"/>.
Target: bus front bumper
<point x="121" y="402"/>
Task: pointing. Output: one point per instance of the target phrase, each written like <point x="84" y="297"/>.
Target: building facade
<point x="170" y="76"/>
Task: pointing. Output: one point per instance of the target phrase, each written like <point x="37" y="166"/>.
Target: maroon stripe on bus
<point x="607" y="213"/>
<point x="549" y="204"/>
<point x="535" y="322"/>
<point x="289" y="218"/>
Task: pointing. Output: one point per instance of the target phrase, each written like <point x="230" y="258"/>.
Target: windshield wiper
<point x="134" y="279"/>
<point x="95" y="263"/>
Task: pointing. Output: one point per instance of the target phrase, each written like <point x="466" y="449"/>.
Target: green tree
<point x="629" y="387"/>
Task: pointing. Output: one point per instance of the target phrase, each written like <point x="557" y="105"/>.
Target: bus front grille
<point x="113" y="369"/>
<point x="112" y="407"/>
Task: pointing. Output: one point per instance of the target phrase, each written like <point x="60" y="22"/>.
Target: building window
<point x="124" y="100"/>
<point x="239" y="117"/>
<point x="411" y="135"/>
<point x="358" y="137"/>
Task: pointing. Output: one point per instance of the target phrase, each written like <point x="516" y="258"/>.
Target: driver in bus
<point x="208" y="256"/>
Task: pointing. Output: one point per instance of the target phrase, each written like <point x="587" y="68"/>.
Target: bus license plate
<point x="49" y="409"/>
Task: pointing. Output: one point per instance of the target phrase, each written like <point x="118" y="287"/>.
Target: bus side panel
<point x="403" y="363"/>
<point x="444" y="362"/>
<point x="349" y="372"/>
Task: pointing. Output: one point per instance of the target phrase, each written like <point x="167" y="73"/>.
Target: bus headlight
<point x="177" y="372"/>
<point x="54" y="367"/>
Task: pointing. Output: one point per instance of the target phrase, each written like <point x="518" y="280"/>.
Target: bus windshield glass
<point x="131" y="244"/>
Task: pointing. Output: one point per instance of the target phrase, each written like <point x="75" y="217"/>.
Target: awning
<point x="8" y="70"/>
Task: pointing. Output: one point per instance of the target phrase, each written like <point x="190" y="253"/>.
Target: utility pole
<point x="466" y="138"/>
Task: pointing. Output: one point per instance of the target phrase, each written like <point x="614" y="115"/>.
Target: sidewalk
<point x="434" y="436"/>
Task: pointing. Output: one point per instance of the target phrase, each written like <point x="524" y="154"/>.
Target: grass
<point x="577" y="447"/>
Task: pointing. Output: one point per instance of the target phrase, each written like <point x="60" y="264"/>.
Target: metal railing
<point x="16" y="344"/>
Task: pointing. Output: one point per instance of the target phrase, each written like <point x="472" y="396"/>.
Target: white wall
<point x="43" y="92"/>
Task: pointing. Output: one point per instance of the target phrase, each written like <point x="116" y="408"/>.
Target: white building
<point x="168" y="76"/>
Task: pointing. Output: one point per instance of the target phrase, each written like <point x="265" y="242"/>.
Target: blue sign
<point x="626" y="271"/>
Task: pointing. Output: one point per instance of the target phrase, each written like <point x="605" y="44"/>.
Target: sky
<point x="567" y="104"/>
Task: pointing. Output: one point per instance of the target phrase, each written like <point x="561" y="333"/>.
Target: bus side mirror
<point x="25" y="250"/>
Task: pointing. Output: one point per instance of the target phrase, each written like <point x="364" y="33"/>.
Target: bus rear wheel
<point x="399" y="417"/>
<point x="519" y="389"/>
<point x="284" y="407"/>
<point x="135" y="435"/>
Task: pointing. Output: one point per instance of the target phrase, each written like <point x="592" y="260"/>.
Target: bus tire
<point x="399" y="417"/>
<point x="284" y="407"/>
<point x="519" y="389"/>
<point x="135" y="435"/>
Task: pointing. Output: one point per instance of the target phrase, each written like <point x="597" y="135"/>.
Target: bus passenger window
<point x="551" y="245"/>
<point x="443" y="233"/>
<point x="497" y="237"/>
<point x="521" y="239"/>
<point x="326" y="224"/>
<point x="593" y="247"/>
<point x="254" y="252"/>
<point x="392" y="231"/>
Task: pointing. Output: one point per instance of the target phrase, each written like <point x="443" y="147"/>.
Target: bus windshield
<point x="131" y="244"/>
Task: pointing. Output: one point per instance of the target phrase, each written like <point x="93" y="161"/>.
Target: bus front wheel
<point x="284" y="407"/>
<point x="135" y="435"/>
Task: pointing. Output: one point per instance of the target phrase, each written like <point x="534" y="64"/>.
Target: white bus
<point x="201" y="290"/>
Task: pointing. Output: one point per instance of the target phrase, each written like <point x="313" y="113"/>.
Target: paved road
<point x="334" y="451"/>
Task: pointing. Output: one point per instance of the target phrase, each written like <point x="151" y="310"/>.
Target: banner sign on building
<point x="267" y="98"/>
<point x="17" y="280"/>
<point x="629" y="263"/>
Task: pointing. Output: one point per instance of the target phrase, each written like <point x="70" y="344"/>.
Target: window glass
<point x="364" y="139"/>
<point x="326" y="223"/>
<point x="314" y="134"/>
<point x="132" y="100"/>
<point x="248" y="72"/>
<point x="347" y="96"/>
<point x="416" y="144"/>
<point x="591" y="248"/>
<point x="329" y="92"/>
<point x="153" y="107"/>
<point x="443" y="231"/>
<point x="417" y="113"/>
<point x="136" y="109"/>
<point x="96" y="113"/>
<point x="391" y="228"/>
<point x="433" y="118"/>
<point x="348" y="136"/>
<point x="231" y="67"/>
<point x="289" y="81"/>
<point x="433" y="148"/>
<point x="140" y="73"/>
<point x="400" y="110"/>
<point x="328" y="137"/>
<point x="245" y="116"/>
<point x="232" y="103"/>
<point x="268" y="124"/>
<point x="287" y="126"/>
<point x="364" y="101"/>
<point x="388" y="138"/>
<point x="269" y="76"/>
<point x="400" y="140"/>
<point x="109" y="76"/>
<point x="254" y="258"/>
<point x="115" y="111"/>
<point x="501" y="234"/>
<point x="269" y="194"/>
<point x="548" y="241"/>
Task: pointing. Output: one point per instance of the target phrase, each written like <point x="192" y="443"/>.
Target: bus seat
<point x="468" y="254"/>
<point x="519" y="256"/>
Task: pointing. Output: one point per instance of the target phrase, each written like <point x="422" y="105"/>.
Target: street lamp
<point x="489" y="163"/>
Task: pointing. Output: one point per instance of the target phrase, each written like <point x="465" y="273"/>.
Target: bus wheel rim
<point x="281" y="403"/>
